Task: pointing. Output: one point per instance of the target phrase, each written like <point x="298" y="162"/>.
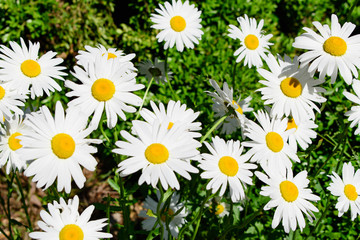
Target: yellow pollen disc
<point x="350" y="192"/>
<point x="30" y="68"/>
<point x="239" y="109"/>
<point x="289" y="191"/>
<point x="291" y="87"/>
<point x="335" y="46"/>
<point x="228" y="166"/>
<point x="169" y="212"/>
<point x="274" y="141"/>
<point x="156" y="153"/>
<point x="251" y="42"/>
<point x="14" y="143"/>
<point x="2" y="92"/>
<point x="291" y="124"/>
<point x="71" y="232"/>
<point x="178" y="23"/>
<point x="63" y="145"/>
<point x="219" y="209"/>
<point x="103" y="89"/>
<point x="111" y="55"/>
<point x="171" y="124"/>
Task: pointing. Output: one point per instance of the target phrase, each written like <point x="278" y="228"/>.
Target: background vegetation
<point x="67" y="26"/>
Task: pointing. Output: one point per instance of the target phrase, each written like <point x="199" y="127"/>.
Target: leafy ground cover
<point x="67" y="26"/>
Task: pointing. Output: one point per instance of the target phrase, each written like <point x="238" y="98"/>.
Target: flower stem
<point x="102" y="129"/>
<point x="341" y="141"/>
<point x="175" y="96"/>
<point x="213" y="128"/>
<point x="142" y="103"/>
<point x="23" y="202"/>
<point x="10" y="190"/>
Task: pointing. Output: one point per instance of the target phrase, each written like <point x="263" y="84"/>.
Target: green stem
<point x="214" y="127"/>
<point x="102" y="129"/>
<point x="142" y="103"/>
<point x="234" y="73"/>
<point x="246" y="222"/>
<point x="197" y="217"/>
<point x="158" y="212"/>
<point x="23" y="202"/>
<point x="126" y="211"/>
<point x="341" y="141"/>
<point x="3" y="232"/>
<point x="175" y="96"/>
<point x="10" y="189"/>
<point x="108" y="212"/>
<point x="327" y="205"/>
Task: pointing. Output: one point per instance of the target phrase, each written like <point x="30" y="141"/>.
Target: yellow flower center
<point x="228" y="166"/>
<point x="63" y="145"/>
<point x="111" y="55"/>
<point x="335" y="46"/>
<point x="274" y="141"/>
<point x="103" y="89"/>
<point x="219" y="209"/>
<point x="239" y="109"/>
<point x="30" y="68"/>
<point x="350" y="192"/>
<point x="171" y="124"/>
<point x="291" y="124"/>
<point x="291" y="87"/>
<point x="156" y="153"/>
<point x="289" y="191"/>
<point x="2" y="92"/>
<point x="14" y="143"/>
<point x="170" y="213"/>
<point x="178" y="23"/>
<point x="251" y="42"/>
<point x="71" y="232"/>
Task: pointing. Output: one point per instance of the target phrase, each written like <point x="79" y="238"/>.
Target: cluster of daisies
<point x="165" y="144"/>
<point x="56" y="146"/>
<point x="294" y="96"/>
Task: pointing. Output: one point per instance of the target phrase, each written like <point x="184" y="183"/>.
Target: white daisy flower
<point x="290" y="196"/>
<point x="158" y="152"/>
<point x="254" y="44"/>
<point x="179" y="24"/>
<point x="9" y="144"/>
<point x="175" y="113"/>
<point x="56" y="147"/>
<point x="154" y="70"/>
<point x="85" y="58"/>
<point x="22" y="68"/>
<point x="221" y="208"/>
<point x="269" y="142"/>
<point x="346" y="189"/>
<point x="226" y="166"/>
<point x="303" y="133"/>
<point x="168" y="216"/>
<point x="331" y="51"/>
<point x="10" y="101"/>
<point x="64" y="222"/>
<point x="354" y="112"/>
<point x="290" y="89"/>
<point x="107" y="85"/>
<point x="224" y="104"/>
